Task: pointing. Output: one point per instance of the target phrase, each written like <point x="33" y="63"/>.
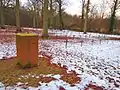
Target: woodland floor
<point x="68" y="61"/>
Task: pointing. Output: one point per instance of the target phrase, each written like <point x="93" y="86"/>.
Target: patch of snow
<point x="96" y="60"/>
<point x="56" y="76"/>
<point x="19" y="84"/>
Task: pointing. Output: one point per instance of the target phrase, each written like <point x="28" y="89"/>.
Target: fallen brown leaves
<point x="10" y="73"/>
<point x="93" y="87"/>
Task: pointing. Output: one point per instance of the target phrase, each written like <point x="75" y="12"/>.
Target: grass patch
<point x="27" y="65"/>
<point x="10" y="73"/>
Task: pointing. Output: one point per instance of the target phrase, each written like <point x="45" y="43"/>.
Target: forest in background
<point x="31" y="15"/>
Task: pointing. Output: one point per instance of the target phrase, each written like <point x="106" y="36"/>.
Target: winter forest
<point x="59" y="44"/>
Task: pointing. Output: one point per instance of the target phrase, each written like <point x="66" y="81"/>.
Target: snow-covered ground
<point x="97" y="61"/>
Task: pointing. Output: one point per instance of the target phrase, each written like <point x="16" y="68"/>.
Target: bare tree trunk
<point x="34" y="19"/>
<point x="2" y="14"/>
<point x="83" y="6"/>
<point x="37" y="18"/>
<point x="60" y="15"/>
<point x="18" y="16"/>
<point x="45" y="19"/>
<point x="51" y="13"/>
<point x="41" y="18"/>
<point x="37" y="15"/>
<point x="82" y="18"/>
<point x="86" y="17"/>
<point x="112" y="19"/>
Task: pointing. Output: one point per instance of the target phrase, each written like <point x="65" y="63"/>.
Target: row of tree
<point x="50" y="14"/>
<point x="114" y="7"/>
<point x="38" y="9"/>
<point x="5" y="4"/>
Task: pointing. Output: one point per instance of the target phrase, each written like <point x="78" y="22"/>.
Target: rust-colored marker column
<point x="27" y="49"/>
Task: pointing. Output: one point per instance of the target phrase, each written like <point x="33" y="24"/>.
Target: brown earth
<point x="10" y="73"/>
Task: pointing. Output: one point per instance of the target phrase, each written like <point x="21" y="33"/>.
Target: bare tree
<point x="86" y="16"/>
<point x="3" y="4"/>
<point x="99" y="9"/>
<point x="2" y="14"/>
<point x="18" y="16"/>
<point x="51" y="13"/>
<point x="60" y="2"/>
<point x="102" y="9"/>
<point x="35" y="6"/>
<point x="45" y="19"/>
<point x="83" y="6"/>
<point x="60" y="15"/>
<point x="41" y="17"/>
<point x="113" y="15"/>
<point x="82" y="17"/>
